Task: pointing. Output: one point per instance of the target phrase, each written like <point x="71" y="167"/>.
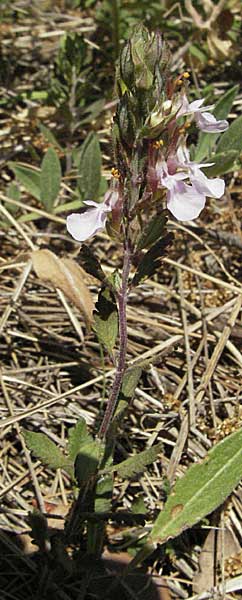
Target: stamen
<point x="115" y="173"/>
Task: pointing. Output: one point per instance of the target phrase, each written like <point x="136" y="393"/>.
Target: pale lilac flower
<point x="184" y="201"/>
<point x="204" y="120"/>
<point x="210" y="187"/>
<point x="85" y="225"/>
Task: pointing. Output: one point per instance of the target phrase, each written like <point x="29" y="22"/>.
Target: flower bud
<point x="127" y="66"/>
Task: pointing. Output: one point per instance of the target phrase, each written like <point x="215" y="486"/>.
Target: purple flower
<point x="204" y="120"/>
<point x="85" y="225"/>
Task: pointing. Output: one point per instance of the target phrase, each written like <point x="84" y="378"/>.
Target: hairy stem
<point x="122" y="303"/>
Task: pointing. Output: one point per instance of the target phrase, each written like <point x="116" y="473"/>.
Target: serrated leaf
<point x="89" y="169"/>
<point x="223" y="163"/>
<point x="202" y="489"/>
<point x="29" y="178"/>
<point x="50" y="179"/>
<point x="90" y="263"/>
<point x="153" y="231"/>
<point x="207" y="141"/>
<point x="150" y="262"/>
<point x="87" y="461"/>
<point x="137" y="463"/>
<point x="65" y="274"/>
<point x="106" y="319"/>
<point x="77" y="437"/>
<point x="232" y="138"/>
<point x="44" y="449"/>
<point x="130" y="382"/>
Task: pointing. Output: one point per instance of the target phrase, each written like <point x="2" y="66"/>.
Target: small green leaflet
<point x="50" y="179"/>
<point x="90" y="263"/>
<point x="153" y="231"/>
<point x="130" y="382"/>
<point x="202" y="489"/>
<point x="106" y="319"/>
<point x="150" y="262"/>
<point x="137" y="463"/>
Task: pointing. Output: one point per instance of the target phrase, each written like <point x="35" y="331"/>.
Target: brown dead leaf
<point x="65" y="274"/>
<point x="218" y="48"/>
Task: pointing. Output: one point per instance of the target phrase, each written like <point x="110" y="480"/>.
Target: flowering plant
<point x="153" y="173"/>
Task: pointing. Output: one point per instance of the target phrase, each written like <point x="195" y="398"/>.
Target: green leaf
<point x="223" y="163"/>
<point x="207" y="140"/>
<point x="232" y="138"/>
<point x="77" y="436"/>
<point x="150" y="262"/>
<point x="202" y="489"/>
<point x="137" y="463"/>
<point x="87" y="461"/>
<point x="195" y="51"/>
<point x="153" y="231"/>
<point x="28" y="177"/>
<point x="90" y="263"/>
<point x="50" y="179"/>
<point x="13" y="192"/>
<point x="106" y="318"/>
<point x="44" y="449"/>
<point x="89" y="168"/>
<point x="72" y="205"/>
<point x="49" y="136"/>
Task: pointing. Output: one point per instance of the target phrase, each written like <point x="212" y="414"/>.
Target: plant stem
<point x="122" y="303"/>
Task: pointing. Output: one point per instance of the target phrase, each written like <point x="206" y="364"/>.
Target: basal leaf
<point x="87" y="461"/>
<point x="29" y="178"/>
<point x="232" y="138"/>
<point x="150" y="262"/>
<point x="106" y="318"/>
<point x="223" y="163"/>
<point x="153" y="231"/>
<point x="44" y="449"/>
<point x="202" y="489"/>
<point x="137" y="463"/>
<point x="77" y="437"/>
<point x="89" y="167"/>
<point x="50" y="179"/>
<point x="206" y="141"/>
